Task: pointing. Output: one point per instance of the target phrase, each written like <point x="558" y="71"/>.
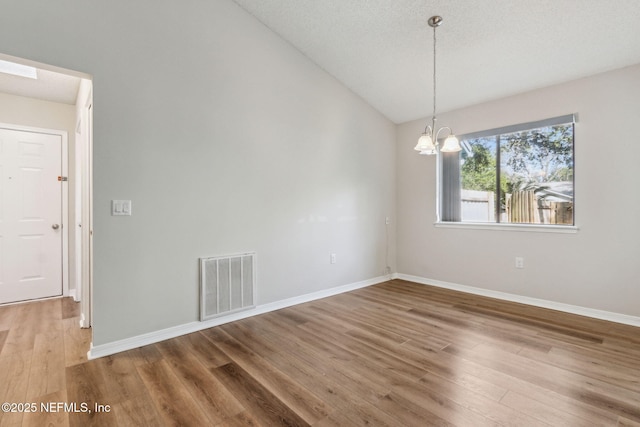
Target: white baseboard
<point x="175" y="331"/>
<point x="72" y="293"/>
<point x="81" y="322"/>
<point x="187" y="328"/>
<point x="568" y="308"/>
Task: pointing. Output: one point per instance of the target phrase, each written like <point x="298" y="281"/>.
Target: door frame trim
<point x="64" y="148"/>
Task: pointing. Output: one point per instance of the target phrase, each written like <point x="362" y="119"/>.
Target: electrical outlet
<point x="519" y="262"/>
<point x="387" y="220"/>
<point x="333" y="258"/>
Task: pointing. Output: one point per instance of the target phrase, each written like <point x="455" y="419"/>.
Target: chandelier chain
<point x="434" y="73"/>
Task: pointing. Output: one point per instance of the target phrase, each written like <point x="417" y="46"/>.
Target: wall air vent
<point x="227" y="284"/>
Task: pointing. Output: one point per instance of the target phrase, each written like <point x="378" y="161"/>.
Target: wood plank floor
<point x="38" y="341"/>
<point x="394" y="354"/>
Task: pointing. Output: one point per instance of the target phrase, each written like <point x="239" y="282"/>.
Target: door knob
<point x="55" y="226"/>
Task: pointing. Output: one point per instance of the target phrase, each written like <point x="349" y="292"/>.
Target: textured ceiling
<point x="487" y="49"/>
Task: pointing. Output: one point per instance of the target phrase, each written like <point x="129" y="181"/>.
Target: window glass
<point x="524" y="176"/>
<point x="478" y="176"/>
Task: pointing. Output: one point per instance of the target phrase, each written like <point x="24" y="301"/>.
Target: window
<point x="521" y="174"/>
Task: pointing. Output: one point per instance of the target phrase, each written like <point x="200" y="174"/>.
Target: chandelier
<point x="428" y="143"/>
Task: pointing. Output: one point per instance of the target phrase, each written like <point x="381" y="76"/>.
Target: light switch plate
<point x="121" y="207"/>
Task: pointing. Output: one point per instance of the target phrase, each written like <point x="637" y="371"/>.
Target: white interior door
<point x="30" y="215"/>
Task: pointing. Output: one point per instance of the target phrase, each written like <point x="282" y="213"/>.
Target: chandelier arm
<point x="440" y="130"/>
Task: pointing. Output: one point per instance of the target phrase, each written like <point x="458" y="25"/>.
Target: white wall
<point x="226" y="139"/>
<point x="19" y="110"/>
<point x="596" y="268"/>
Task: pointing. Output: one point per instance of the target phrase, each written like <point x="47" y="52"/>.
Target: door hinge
<point x="62" y="178"/>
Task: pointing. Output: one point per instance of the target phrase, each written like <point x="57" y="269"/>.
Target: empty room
<point x="319" y="213"/>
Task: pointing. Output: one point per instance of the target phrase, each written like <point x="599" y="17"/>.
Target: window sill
<point x="537" y="228"/>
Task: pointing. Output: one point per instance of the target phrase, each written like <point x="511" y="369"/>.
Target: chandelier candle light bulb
<point x="428" y="143"/>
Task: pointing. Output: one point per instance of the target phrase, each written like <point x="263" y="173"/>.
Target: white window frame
<point x="543" y="228"/>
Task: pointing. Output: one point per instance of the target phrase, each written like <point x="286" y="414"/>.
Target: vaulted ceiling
<point x="487" y="49"/>
<point x="382" y="49"/>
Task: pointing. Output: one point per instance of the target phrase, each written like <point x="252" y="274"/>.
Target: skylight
<point x="18" y="69"/>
